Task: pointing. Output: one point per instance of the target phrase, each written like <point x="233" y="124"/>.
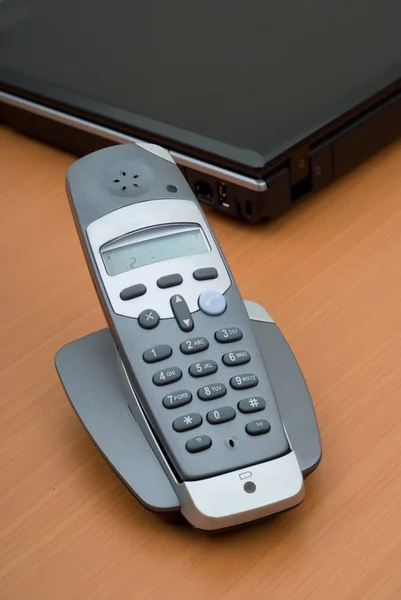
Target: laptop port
<point x="204" y="191"/>
<point x="222" y="192"/>
<point x="248" y="208"/>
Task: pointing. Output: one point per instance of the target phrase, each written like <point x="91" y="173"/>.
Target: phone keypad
<point x="237" y="406"/>
<point x="211" y="391"/>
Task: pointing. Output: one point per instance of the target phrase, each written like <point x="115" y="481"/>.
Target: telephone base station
<point x="90" y="373"/>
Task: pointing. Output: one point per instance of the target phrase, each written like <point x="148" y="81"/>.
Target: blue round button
<point x="212" y="303"/>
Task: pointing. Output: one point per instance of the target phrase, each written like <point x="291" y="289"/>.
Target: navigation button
<point x="181" y="313"/>
<point x="148" y="319"/>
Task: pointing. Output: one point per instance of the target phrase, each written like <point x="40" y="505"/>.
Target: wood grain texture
<point x="329" y="272"/>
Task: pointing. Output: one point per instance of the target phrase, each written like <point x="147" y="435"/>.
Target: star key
<point x="187" y="422"/>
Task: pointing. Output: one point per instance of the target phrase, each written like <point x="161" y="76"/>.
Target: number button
<point x="239" y="357"/>
<point x="211" y="392"/>
<point x="258" y="427"/>
<point x="203" y="368"/>
<point x="197" y="344"/>
<point x="243" y="382"/>
<point x="167" y="376"/>
<point x="222" y="415"/>
<point x="230" y="334"/>
<point x="180" y="398"/>
<point x="157" y="353"/>
<point x="187" y="422"/>
<point x="198" y="444"/>
<point x="251" y="405"/>
<point x="148" y="319"/>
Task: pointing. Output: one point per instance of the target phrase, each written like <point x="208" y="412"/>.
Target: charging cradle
<point x="89" y="371"/>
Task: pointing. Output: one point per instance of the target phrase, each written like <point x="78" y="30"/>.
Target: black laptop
<point x="259" y="102"/>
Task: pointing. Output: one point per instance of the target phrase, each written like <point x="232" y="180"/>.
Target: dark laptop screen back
<point x="243" y="80"/>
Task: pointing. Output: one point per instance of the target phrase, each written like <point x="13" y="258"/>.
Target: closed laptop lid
<point x="242" y="82"/>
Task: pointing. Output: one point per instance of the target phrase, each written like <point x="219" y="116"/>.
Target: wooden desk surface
<point x="329" y="272"/>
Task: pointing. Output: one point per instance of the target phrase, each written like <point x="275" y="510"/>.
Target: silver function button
<point x="212" y="303"/>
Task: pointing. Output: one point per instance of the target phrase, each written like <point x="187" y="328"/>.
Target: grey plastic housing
<point x="125" y="189"/>
<point x="89" y="372"/>
<point x="101" y="175"/>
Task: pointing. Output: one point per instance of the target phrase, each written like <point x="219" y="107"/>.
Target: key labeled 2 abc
<point x="196" y="344"/>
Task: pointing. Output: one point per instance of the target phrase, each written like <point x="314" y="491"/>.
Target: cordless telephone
<point x="194" y="374"/>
